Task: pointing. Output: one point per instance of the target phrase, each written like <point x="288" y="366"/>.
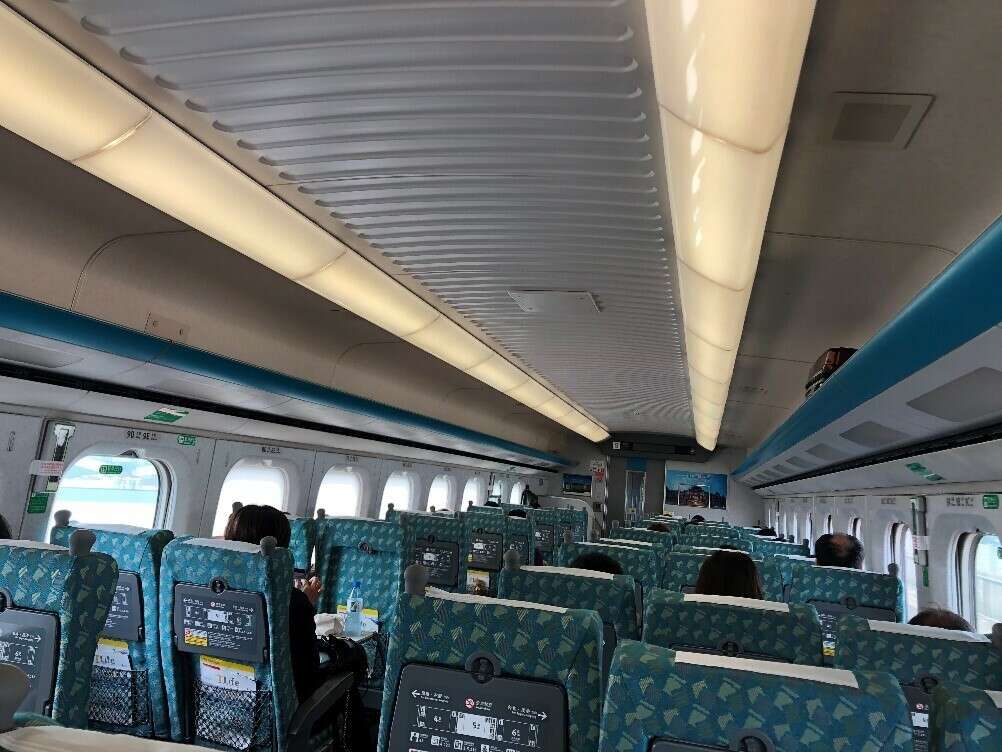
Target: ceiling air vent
<point x="555" y="302"/>
<point x="40" y="357"/>
<point x="874" y="121"/>
<point x="782" y="469"/>
<point x="802" y="464"/>
<point x="874" y="435"/>
<point x="825" y="452"/>
<point x="970" y="397"/>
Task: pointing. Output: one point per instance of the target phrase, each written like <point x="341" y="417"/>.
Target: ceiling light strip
<point x="59" y="102"/>
<point x="726" y="74"/>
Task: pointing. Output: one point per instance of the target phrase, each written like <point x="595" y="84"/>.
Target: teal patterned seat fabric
<point x="419" y="526"/>
<point x="372" y="552"/>
<point x="224" y="717"/>
<point x="834" y="584"/>
<point x="644" y="566"/>
<point x="551" y="518"/>
<point x="659" y="694"/>
<point x="575" y="520"/>
<point x="781" y="568"/>
<point x="139" y="551"/>
<point x="772" y="579"/>
<point x="78" y="590"/>
<point x="732" y="626"/>
<point x="302" y="542"/>
<point x="704" y="539"/>
<point x="544" y="643"/>
<point x="662" y="540"/>
<point x="912" y="653"/>
<point x="475" y="524"/>
<point x="965" y="719"/>
<point x="520" y="534"/>
<point x="771" y="547"/>
<point x="611" y="596"/>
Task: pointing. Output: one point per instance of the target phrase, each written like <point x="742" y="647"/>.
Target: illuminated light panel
<point x="448" y="341"/>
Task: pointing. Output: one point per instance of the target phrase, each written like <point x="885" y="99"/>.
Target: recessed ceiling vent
<point x="30" y="355"/>
<point x="874" y="121"/>
<point x="825" y="452"/>
<point x="970" y="397"/>
<point x="798" y="462"/>
<point x="874" y="435"/>
<point x="564" y="303"/>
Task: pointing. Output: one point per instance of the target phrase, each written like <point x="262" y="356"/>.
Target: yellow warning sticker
<point x="197" y="637"/>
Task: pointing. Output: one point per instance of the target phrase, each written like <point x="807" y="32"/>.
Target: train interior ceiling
<point x="336" y="255"/>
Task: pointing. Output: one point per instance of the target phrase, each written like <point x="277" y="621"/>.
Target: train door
<point x="146" y="477"/>
<point x="267" y="474"/>
<point x="344" y="484"/>
<point x="19" y="437"/>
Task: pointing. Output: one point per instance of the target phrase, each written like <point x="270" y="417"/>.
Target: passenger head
<point x="697" y="518"/>
<point x="659" y="527"/>
<point x="766" y="532"/>
<point x="253" y="522"/>
<point x="598" y="563"/>
<point x="942" y="618"/>
<point x="5" y="532"/>
<point x="729" y="573"/>
<point x="839" y="550"/>
<point x="491" y="504"/>
<point x="517" y="513"/>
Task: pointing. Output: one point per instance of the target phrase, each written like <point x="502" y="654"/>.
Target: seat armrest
<point x="309" y="712"/>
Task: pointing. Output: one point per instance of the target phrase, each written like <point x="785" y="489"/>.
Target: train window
<point x="474" y="491"/>
<point x="398" y="491"/>
<point x="856" y="528"/>
<point x="809" y="530"/>
<point x="440" y="493"/>
<point x="829" y="525"/>
<point x="795" y="528"/>
<point x="902" y="553"/>
<point x="251" y="481"/>
<point x="987" y="583"/>
<point x="340" y="492"/>
<point x="106" y="489"/>
<point x="495" y="491"/>
<point x="516" y="493"/>
<point x="768" y="517"/>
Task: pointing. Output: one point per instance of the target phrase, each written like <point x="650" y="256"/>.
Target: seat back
<point x="302" y="542"/>
<point x="837" y="591"/>
<point x="520" y="535"/>
<point x="574" y="521"/>
<point x="780" y="568"/>
<point x="736" y="627"/>
<point x="55" y="602"/>
<point x="642" y="564"/>
<point x="662" y="540"/>
<point x="965" y="719"/>
<point x="668" y="701"/>
<point x="482" y="552"/>
<point x="434" y="541"/>
<point x="226" y="688"/>
<point x="457" y="661"/>
<point x="707" y="539"/>
<point x="547" y="524"/>
<point x="920" y="658"/>
<point x="611" y="596"/>
<point x="776" y="547"/>
<point x="127" y="687"/>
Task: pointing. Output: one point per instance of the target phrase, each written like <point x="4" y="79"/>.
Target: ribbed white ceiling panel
<point x="482" y="146"/>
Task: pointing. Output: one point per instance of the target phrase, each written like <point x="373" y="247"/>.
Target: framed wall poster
<point x="577" y="484"/>
<point x="688" y="489"/>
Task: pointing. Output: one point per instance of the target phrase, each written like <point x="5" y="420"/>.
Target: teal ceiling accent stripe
<point x="965" y="300"/>
<point x="32" y="317"/>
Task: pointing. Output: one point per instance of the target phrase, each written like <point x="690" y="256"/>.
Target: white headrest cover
<point x="618" y="544"/>
<point x="468" y="598"/>
<point x="250" y="548"/>
<point x="793" y="557"/>
<point x="624" y="542"/>
<point x="729" y="600"/>
<point x="573" y="572"/>
<point x="995" y="697"/>
<point x="936" y="633"/>
<point x="126" y="529"/>
<point x="59" y="739"/>
<point x="15" y="543"/>
<point x="709" y="548"/>
<point x="811" y="673"/>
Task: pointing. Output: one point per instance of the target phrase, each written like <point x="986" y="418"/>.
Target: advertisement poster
<point x="687" y="489"/>
<point x="577" y="484"/>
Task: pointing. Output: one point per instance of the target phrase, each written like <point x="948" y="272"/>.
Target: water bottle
<point x="353" y="619"/>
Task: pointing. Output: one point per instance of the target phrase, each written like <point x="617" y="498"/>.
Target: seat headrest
<point x="836" y="676"/>
<point x="622" y="542"/>
<point x="228" y="545"/>
<point x="468" y="598"/>
<point x="16" y="543"/>
<point x="572" y="571"/>
<point x="995" y="697"/>
<point x="729" y="600"/>
<point x="112" y="528"/>
<point x="937" y="633"/>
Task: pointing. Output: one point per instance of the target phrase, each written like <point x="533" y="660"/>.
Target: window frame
<point x="253" y="462"/>
<point x="353" y="471"/>
<point x="479" y="497"/>
<point x="966" y="573"/>
<point x="511" y="492"/>
<point x="450" y="496"/>
<point x="412" y="496"/>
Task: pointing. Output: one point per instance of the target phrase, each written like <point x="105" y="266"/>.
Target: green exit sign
<point x="110" y="469"/>
<point x="990" y="501"/>
<point x="185" y="440"/>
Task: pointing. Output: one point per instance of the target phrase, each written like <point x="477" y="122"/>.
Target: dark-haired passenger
<point x="597" y="563"/>
<point x="839" y="550"/>
<point x="942" y="618"/>
<point x="250" y="524"/>
<point x="731" y="573"/>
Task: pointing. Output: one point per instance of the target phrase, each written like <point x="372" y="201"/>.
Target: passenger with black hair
<point x="839" y="550"/>
<point x="597" y="562"/>
<point x="731" y="573"/>
<point x="659" y="527"/>
<point x="942" y="618"/>
<point x="696" y="519"/>
<point x="766" y="532"/>
<point x="250" y="524"/>
<point x="5" y="533"/>
<point x="491" y="503"/>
